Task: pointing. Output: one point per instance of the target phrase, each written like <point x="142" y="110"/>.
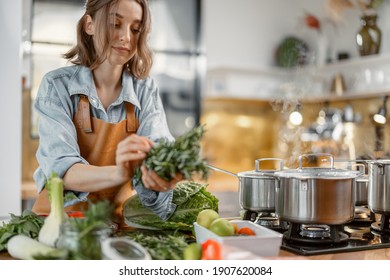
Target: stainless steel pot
<point x="316" y="195"/>
<point x="361" y="187"/>
<point x="256" y="187"/>
<point x="361" y="190"/>
<point x="379" y="186"/>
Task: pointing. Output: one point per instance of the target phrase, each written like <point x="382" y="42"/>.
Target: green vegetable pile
<point x="181" y="156"/>
<point x="161" y="245"/>
<point x="190" y="198"/>
<point x="28" y="224"/>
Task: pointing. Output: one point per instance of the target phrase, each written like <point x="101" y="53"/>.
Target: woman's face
<point x="127" y="20"/>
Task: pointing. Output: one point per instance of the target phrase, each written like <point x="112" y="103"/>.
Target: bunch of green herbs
<point x="180" y="156"/>
<point x="28" y="223"/>
<point x="161" y="245"/>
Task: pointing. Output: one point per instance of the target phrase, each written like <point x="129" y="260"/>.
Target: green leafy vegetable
<point x="165" y="245"/>
<point x="28" y="224"/>
<point x="190" y="198"/>
<point x="181" y="156"/>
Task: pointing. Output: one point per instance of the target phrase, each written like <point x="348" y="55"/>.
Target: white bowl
<point x="266" y="242"/>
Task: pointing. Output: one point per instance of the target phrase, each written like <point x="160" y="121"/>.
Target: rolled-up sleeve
<point x="58" y="149"/>
<point x="159" y="202"/>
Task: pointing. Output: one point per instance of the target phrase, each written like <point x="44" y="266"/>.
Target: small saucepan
<point x="256" y="187"/>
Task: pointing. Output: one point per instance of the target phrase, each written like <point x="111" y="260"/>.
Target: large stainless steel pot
<point x="379" y="186"/>
<point x="316" y="195"/>
<point x="256" y="187"/>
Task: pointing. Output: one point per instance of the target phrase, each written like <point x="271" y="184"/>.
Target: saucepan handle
<point x="222" y="170"/>
<point x="316" y="155"/>
<point x="258" y="162"/>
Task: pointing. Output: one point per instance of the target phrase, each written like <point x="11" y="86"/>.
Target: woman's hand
<point x="132" y="149"/>
<point x="152" y="181"/>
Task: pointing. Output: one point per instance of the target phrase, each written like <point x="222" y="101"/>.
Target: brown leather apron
<point x="97" y="140"/>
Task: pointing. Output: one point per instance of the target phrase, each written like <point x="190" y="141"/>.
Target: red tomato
<point x="246" y="231"/>
<point x="75" y="214"/>
<point x="211" y="250"/>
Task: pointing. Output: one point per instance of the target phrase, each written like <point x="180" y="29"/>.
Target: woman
<point x="98" y="118"/>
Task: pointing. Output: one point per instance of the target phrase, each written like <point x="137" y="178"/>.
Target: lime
<point x="206" y="217"/>
<point x="193" y="252"/>
<point x="222" y="227"/>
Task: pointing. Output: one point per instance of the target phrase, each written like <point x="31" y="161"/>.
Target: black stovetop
<point x="357" y="235"/>
<point x="367" y="241"/>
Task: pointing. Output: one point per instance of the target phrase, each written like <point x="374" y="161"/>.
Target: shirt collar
<point x="82" y="83"/>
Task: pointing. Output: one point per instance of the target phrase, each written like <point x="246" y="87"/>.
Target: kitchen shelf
<point x="347" y="96"/>
<point x="365" y="78"/>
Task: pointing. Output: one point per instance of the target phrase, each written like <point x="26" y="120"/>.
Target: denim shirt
<point x="57" y="101"/>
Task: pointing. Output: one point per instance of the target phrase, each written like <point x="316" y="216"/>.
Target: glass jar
<point x="83" y="245"/>
<point x="369" y="36"/>
<point x="123" y="248"/>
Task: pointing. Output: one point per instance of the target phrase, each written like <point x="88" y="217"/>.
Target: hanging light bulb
<point x="295" y="117"/>
<point x="381" y="116"/>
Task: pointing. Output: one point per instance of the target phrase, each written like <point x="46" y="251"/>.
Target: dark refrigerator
<point x="179" y="60"/>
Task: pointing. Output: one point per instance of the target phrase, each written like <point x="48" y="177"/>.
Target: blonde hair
<point x="84" y="52"/>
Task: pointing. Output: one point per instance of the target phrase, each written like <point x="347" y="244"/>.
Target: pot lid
<point x="318" y="173"/>
<point x="380" y="161"/>
<point x="265" y="174"/>
<point x="362" y="179"/>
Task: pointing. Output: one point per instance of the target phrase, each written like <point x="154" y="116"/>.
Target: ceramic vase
<point x="369" y="36"/>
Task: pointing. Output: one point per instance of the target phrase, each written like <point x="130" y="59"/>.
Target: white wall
<point x="11" y="107"/>
<point x="246" y="33"/>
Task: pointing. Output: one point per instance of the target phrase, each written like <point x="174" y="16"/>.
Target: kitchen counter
<point x="377" y="254"/>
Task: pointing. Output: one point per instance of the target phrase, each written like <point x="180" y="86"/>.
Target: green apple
<point x="206" y="217"/>
<point x="222" y="227"/>
<point x="193" y="252"/>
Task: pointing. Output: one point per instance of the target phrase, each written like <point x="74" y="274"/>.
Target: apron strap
<point x="131" y="121"/>
<point x="84" y="114"/>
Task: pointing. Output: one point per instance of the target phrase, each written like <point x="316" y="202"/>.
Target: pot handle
<point x="362" y="168"/>
<point x="258" y="161"/>
<point x="316" y="155"/>
<point x="222" y="170"/>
